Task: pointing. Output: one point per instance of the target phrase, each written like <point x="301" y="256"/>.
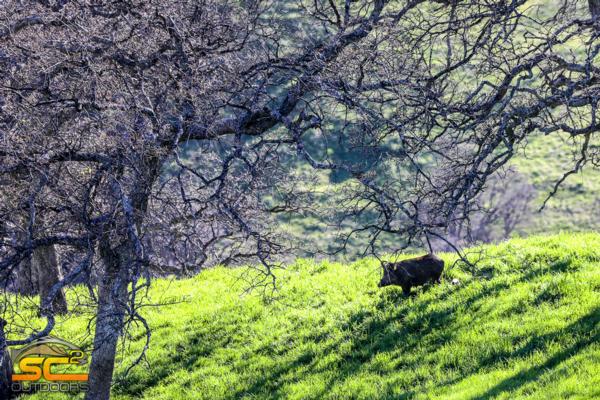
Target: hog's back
<point x="423" y="270"/>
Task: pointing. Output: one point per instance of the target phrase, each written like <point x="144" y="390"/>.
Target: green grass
<point x="526" y="326"/>
<point x="576" y="206"/>
<point x="542" y="162"/>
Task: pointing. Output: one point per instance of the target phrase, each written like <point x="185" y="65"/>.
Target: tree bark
<point x="38" y="273"/>
<point x="113" y="291"/>
<point x="47" y="269"/>
<point x="594" y="8"/>
<point x="25" y="279"/>
<point x="6" y="367"/>
<point x="112" y="297"/>
<point x="26" y="283"/>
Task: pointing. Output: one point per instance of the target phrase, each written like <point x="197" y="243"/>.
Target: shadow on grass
<point x="200" y="342"/>
<point x="367" y="333"/>
<point x="583" y="329"/>
<point x="384" y="336"/>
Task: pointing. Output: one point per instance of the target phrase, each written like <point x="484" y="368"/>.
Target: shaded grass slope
<point x="526" y="326"/>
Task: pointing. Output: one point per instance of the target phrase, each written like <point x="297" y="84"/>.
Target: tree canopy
<point x="147" y="136"/>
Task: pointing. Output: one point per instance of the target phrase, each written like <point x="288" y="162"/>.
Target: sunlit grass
<point x="526" y="326"/>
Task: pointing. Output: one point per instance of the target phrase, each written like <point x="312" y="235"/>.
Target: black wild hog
<point x="412" y="272"/>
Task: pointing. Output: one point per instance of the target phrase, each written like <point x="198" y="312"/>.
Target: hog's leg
<point x="406" y="290"/>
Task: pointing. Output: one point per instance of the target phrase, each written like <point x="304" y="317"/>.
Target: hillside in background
<point x="526" y="325"/>
<point x="538" y="166"/>
<point x="576" y="206"/>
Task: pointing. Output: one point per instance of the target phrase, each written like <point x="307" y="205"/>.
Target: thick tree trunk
<point x="112" y="297"/>
<point x="26" y="283"/>
<point x="38" y="273"/>
<point x="46" y="267"/>
<point x="594" y="8"/>
<point x="6" y="368"/>
<point x="113" y="291"/>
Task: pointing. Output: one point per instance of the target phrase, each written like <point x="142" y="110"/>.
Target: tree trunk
<point x="25" y="283"/>
<point x="6" y="367"/>
<point x="37" y="273"/>
<point x="594" y="8"/>
<point x="46" y="267"/>
<point x="113" y="291"/>
<point x="25" y="279"/>
<point x="112" y="297"/>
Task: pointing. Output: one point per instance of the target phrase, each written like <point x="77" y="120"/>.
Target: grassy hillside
<point x="576" y="205"/>
<point x="526" y="327"/>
